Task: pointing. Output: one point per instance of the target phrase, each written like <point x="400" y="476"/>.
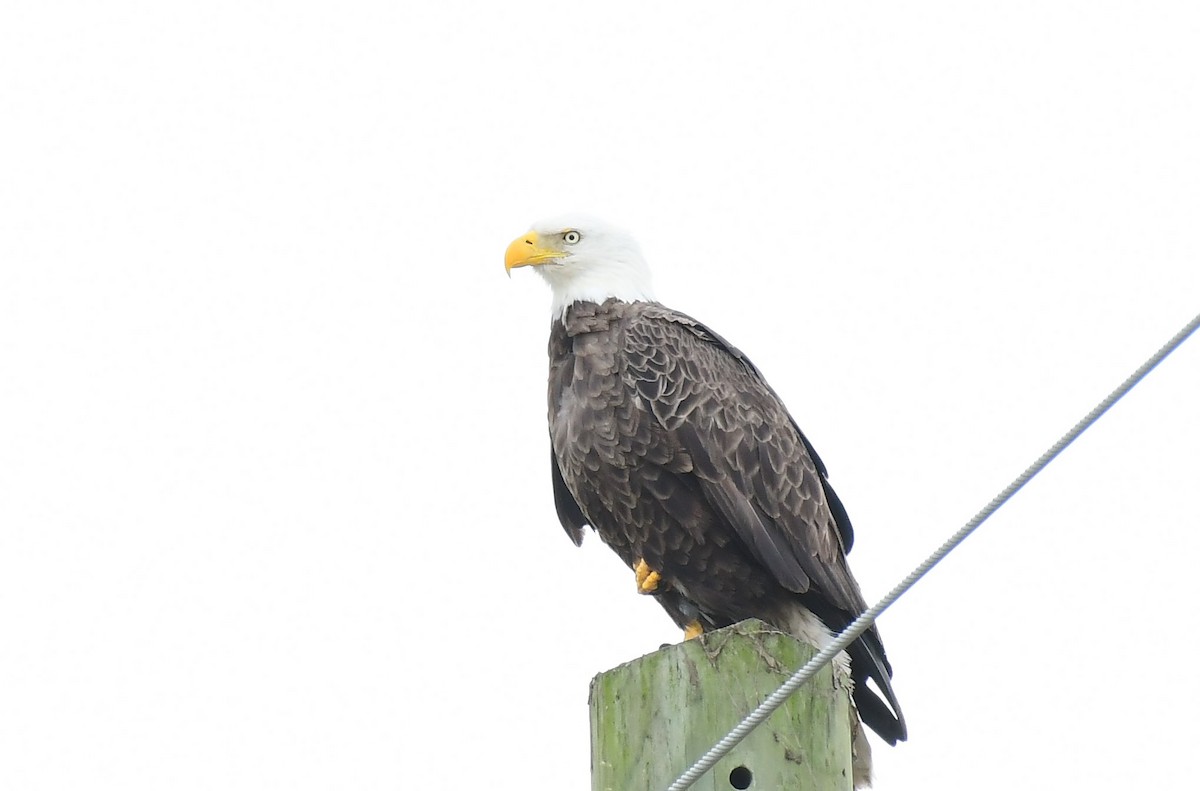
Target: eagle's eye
<point x="571" y="237"/>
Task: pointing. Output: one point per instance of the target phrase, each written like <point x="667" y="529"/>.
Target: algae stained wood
<point x="653" y="717"/>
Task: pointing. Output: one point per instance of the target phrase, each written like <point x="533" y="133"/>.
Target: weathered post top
<point x="653" y="717"/>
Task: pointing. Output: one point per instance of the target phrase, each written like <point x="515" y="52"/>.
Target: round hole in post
<point x="741" y="778"/>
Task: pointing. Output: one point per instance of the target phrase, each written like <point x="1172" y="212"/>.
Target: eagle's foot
<point x="647" y="580"/>
<point x="693" y="629"/>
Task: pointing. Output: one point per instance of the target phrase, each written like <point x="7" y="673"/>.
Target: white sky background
<point x="275" y="506"/>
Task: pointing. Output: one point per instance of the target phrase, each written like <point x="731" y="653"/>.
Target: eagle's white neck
<point x="596" y="282"/>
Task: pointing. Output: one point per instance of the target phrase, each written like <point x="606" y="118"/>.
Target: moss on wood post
<point x="653" y="717"/>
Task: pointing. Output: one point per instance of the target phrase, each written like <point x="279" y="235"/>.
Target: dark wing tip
<point x="569" y="512"/>
<point x="876" y="715"/>
<point x="868" y="662"/>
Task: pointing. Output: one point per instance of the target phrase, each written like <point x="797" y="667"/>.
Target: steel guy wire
<point x="864" y="621"/>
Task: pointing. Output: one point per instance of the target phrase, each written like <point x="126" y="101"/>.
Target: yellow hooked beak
<point x="529" y="251"/>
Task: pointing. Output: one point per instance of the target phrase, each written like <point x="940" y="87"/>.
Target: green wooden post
<point x="653" y="717"/>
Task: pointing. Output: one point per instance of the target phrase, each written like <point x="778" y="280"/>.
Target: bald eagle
<point x="671" y="445"/>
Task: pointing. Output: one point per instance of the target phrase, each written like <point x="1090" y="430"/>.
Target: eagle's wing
<point x="755" y="466"/>
<point x="569" y="512"/>
<point x="760" y="473"/>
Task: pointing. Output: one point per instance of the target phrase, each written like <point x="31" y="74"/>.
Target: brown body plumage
<point x="670" y="444"/>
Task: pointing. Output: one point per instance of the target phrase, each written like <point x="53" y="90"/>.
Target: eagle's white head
<point x="584" y="260"/>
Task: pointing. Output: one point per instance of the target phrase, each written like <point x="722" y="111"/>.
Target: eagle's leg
<point x="693" y="629"/>
<point x="647" y="580"/>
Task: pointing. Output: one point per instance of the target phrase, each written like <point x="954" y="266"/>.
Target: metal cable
<point x="864" y="621"/>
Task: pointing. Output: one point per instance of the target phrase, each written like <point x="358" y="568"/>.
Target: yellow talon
<point x="647" y="580"/>
<point x="693" y="629"/>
